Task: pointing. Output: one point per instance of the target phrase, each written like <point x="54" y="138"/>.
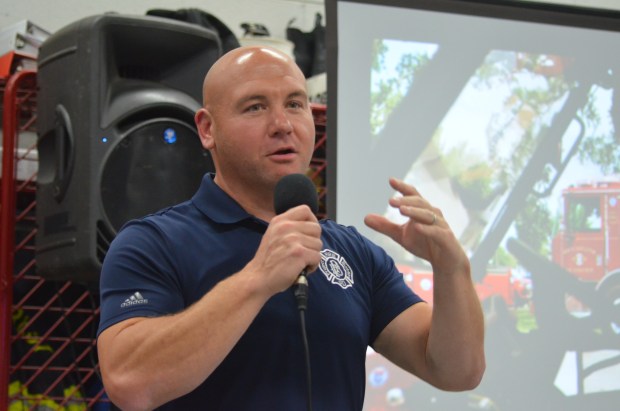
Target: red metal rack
<point x="318" y="165"/>
<point x="47" y="328"/>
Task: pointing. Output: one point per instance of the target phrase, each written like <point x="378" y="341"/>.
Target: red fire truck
<point x="498" y="282"/>
<point x="588" y="242"/>
<point x="589" y="238"/>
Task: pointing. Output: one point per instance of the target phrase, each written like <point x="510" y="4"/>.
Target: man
<point x="197" y="311"/>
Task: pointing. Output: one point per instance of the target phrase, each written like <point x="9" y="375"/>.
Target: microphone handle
<point x="300" y="289"/>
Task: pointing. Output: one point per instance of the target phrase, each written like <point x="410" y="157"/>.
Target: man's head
<point x="256" y="120"/>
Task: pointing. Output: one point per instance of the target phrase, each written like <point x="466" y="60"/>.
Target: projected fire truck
<point x="588" y="244"/>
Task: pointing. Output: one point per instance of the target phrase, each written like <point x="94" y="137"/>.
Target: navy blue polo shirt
<point x="164" y="262"/>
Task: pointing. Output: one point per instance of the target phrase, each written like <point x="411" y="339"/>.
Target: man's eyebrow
<point x="253" y="97"/>
<point x="298" y="93"/>
<point x="263" y="98"/>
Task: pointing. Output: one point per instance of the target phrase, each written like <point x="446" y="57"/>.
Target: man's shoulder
<point x="334" y="228"/>
<point x="169" y="220"/>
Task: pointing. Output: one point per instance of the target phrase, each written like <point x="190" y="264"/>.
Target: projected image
<point x="512" y="129"/>
<point x="556" y="241"/>
<point x="538" y="212"/>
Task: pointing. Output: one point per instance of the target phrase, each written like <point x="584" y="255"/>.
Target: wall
<point x="274" y="14"/>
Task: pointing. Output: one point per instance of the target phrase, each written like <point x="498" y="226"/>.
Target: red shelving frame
<point x="47" y="328"/>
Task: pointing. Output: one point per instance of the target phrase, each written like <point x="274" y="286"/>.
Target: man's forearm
<point x="455" y="348"/>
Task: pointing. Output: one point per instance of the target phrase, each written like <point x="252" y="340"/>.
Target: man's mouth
<point x="284" y="152"/>
<point x="284" y="155"/>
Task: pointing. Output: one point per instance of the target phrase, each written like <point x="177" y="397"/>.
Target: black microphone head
<point x="294" y="190"/>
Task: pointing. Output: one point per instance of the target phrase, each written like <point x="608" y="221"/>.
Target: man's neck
<point x="257" y="201"/>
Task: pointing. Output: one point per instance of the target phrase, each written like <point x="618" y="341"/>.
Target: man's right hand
<point x="291" y="244"/>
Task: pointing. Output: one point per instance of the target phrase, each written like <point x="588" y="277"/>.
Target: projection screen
<point x="506" y="116"/>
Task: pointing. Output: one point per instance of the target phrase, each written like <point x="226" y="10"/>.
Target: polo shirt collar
<point x="216" y="204"/>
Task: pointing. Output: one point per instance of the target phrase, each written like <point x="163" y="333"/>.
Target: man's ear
<point x="204" y="123"/>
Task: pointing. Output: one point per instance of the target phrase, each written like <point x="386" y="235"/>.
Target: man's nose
<point x="281" y="124"/>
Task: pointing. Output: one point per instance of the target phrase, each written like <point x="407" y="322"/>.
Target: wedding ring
<point x="434" y="218"/>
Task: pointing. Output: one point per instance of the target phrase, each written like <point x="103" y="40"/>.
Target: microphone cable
<point x="301" y="295"/>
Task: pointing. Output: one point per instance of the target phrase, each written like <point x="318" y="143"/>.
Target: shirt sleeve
<point x="138" y="277"/>
<point x="390" y="294"/>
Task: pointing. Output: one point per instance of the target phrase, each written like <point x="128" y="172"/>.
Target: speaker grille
<point x="157" y="164"/>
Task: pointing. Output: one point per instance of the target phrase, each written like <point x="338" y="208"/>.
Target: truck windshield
<point x="583" y="214"/>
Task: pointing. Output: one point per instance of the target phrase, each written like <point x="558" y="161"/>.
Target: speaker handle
<point x="65" y="152"/>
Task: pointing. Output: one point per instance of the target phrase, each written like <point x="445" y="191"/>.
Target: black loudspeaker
<point x="116" y="134"/>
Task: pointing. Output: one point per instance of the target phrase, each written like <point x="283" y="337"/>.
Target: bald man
<point x="197" y="310"/>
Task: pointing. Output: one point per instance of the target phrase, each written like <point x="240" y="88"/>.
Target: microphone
<point x="291" y="191"/>
<point x="294" y="190"/>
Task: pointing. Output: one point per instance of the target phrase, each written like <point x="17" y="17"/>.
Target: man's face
<point x="262" y="126"/>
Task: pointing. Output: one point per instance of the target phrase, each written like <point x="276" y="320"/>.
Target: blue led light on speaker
<point x="104" y="139"/>
<point x="170" y="135"/>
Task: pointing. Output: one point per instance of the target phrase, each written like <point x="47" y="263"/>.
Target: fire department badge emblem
<point x="336" y="269"/>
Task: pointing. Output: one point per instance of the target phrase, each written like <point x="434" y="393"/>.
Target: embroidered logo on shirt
<point x="336" y="269"/>
<point x="135" y="299"/>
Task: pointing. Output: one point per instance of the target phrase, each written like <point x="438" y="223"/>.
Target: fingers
<point x="425" y="233"/>
<point x="403" y="188"/>
<point x="299" y="213"/>
<point x="291" y="244"/>
<point x="298" y="227"/>
<point x="427" y="216"/>
<point x="382" y="225"/>
<point x="410" y="195"/>
<point x="411" y="204"/>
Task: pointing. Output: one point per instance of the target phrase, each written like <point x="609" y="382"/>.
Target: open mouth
<point x="284" y="152"/>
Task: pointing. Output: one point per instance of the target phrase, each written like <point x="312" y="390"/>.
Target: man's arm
<point x="443" y="344"/>
<point x="146" y="362"/>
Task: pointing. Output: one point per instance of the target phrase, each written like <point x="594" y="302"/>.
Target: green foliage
<point x="600" y="147"/>
<point x="526" y="320"/>
<point x="503" y="258"/>
<point x="603" y="151"/>
<point x="474" y="178"/>
<point x="387" y="93"/>
<point x="534" y="225"/>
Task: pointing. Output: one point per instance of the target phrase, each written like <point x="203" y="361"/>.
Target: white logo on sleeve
<point x="336" y="269"/>
<point x="135" y="299"/>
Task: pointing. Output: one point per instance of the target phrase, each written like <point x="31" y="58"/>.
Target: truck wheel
<point x="609" y="290"/>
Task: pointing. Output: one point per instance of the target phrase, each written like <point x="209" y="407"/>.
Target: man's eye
<point x="255" y="107"/>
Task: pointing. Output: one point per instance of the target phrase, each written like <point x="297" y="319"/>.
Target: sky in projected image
<point x="509" y="128"/>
